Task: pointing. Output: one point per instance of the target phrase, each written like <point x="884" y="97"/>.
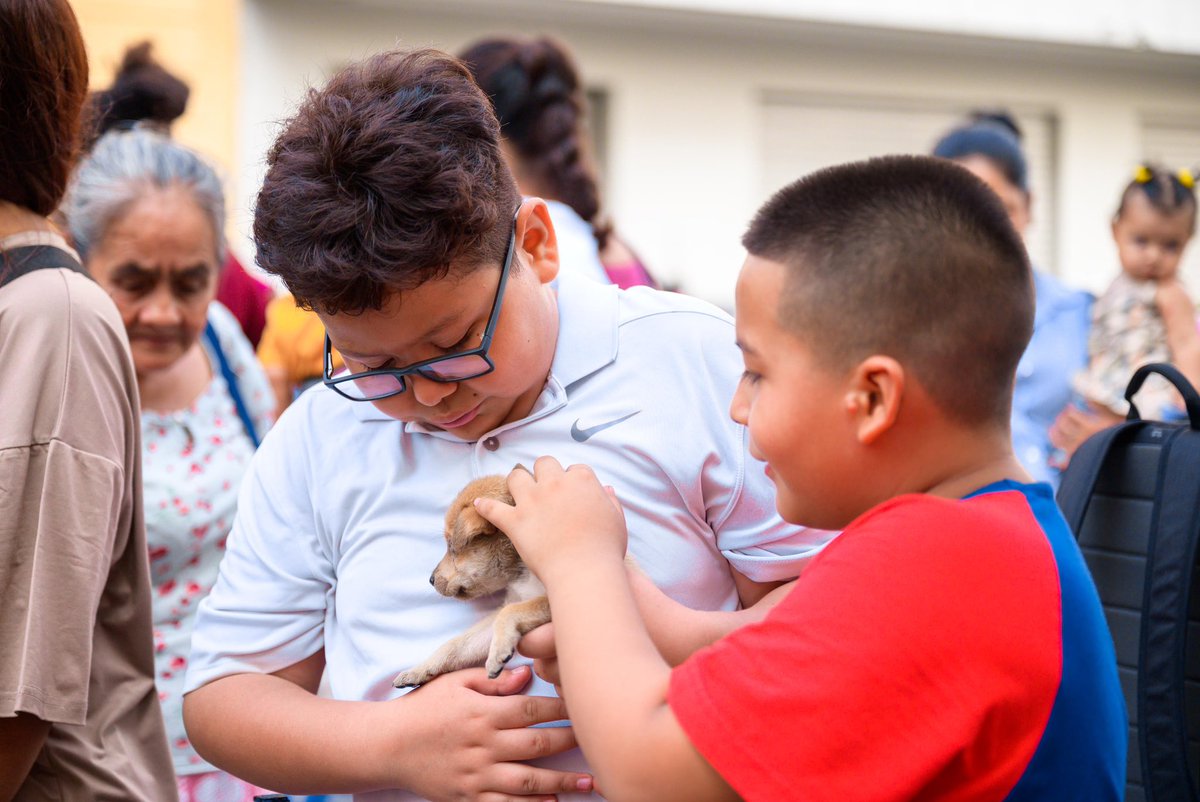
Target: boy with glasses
<point x="387" y="208"/>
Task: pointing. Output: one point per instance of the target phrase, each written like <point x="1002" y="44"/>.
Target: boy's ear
<point x="536" y="238"/>
<point x="874" y="396"/>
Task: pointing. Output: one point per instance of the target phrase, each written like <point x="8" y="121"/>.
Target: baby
<point x="1145" y="310"/>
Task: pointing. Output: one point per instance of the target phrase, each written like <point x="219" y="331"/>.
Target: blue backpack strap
<point x="210" y="336"/>
<point x="1079" y="480"/>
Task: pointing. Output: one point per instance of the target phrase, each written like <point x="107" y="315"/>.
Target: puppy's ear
<point x="471" y="524"/>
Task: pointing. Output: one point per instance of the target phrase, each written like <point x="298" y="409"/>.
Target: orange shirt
<point x="294" y="342"/>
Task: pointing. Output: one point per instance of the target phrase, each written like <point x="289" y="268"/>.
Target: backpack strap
<point x="1079" y="482"/>
<point x="1162" y="660"/>
<point x="17" y="262"/>
<point x="1191" y="399"/>
<point x="210" y="336"/>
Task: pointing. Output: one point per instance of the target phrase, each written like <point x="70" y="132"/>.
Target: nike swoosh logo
<point x="581" y="435"/>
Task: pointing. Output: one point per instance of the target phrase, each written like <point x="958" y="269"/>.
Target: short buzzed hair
<point x="908" y="256"/>
<point x="389" y="176"/>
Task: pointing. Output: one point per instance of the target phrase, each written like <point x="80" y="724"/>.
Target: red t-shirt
<point x="921" y="656"/>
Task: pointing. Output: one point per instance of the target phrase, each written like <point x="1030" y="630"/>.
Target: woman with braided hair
<point x="536" y="93"/>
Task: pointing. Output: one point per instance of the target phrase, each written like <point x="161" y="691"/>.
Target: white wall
<point x="1164" y="25"/>
<point x="686" y="95"/>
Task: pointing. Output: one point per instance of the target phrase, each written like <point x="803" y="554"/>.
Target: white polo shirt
<point x="340" y="516"/>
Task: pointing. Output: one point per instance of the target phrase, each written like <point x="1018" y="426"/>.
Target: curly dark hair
<point x="535" y="89"/>
<point x="389" y="176"/>
<point x="42" y="92"/>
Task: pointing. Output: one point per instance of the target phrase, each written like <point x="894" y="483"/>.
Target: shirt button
<point x="491" y="444"/>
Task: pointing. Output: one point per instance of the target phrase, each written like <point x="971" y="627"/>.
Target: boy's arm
<point x="273" y="730"/>
<point x="572" y="535"/>
<point x="678" y="631"/>
<point x="617" y="683"/>
<point x="675" y="629"/>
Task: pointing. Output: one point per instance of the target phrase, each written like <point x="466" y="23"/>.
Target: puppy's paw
<point x="498" y="657"/>
<point x="413" y="677"/>
<point x="495" y="666"/>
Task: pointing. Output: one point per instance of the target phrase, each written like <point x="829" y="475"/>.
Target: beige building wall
<point x="198" y="40"/>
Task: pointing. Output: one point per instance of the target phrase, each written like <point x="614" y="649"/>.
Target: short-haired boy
<point x="950" y="643"/>
<point x="388" y="208"/>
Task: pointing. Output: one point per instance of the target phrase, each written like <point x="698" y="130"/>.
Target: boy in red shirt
<point x="949" y="645"/>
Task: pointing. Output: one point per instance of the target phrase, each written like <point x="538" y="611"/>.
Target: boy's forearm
<point x="278" y="735"/>
<point x="678" y="630"/>
<point x="615" y="683"/>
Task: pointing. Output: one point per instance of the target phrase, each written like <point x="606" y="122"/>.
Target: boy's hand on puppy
<point x="482" y="755"/>
<point x="559" y="517"/>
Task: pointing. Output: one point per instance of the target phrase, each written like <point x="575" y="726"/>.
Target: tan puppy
<point x="481" y="560"/>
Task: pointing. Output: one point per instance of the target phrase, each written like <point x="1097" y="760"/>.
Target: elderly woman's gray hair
<point x="121" y="168"/>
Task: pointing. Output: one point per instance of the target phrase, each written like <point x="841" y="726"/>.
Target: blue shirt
<point x="1057" y="351"/>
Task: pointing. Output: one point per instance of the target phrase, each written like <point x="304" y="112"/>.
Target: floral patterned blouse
<point x="1128" y="332"/>
<point x="192" y="465"/>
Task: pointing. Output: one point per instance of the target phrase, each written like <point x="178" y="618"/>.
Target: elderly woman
<point x="78" y="715"/>
<point x="146" y="215"/>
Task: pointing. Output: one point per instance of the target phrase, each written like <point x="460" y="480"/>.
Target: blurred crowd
<point x="145" y="424"/>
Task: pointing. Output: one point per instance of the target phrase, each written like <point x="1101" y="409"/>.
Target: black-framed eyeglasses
<point x="373" y="385"/>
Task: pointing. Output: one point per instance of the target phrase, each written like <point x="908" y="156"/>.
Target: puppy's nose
<point x="433" y="578"/>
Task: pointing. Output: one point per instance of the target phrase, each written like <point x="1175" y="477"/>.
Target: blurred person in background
<point x="538" y="98"/>
<point x="1145" y="315"/>
<point x="147" y="215"/>
<point x="989" y="145"/>
<point x="79" y="718"/>
<point x="144" y="92"/>
<point x="292" y="350"/>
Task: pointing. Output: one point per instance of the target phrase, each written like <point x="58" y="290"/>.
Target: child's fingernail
<point x="584" y="783"/>
<point x="520" y="670"/>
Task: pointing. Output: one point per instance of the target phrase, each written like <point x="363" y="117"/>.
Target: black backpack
<point x="1131" y="495"/>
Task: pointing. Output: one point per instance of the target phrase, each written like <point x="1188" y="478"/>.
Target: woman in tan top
<point x="79" y="716"/>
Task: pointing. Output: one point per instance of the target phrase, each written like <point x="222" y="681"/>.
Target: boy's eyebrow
<point x="744" y="348"/>
<point x="432" y="332"/>
<point x="441" y="325"/>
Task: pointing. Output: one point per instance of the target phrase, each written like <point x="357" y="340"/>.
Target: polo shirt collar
<point x="587" y="328"/>
<point x="587" y="341"/>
